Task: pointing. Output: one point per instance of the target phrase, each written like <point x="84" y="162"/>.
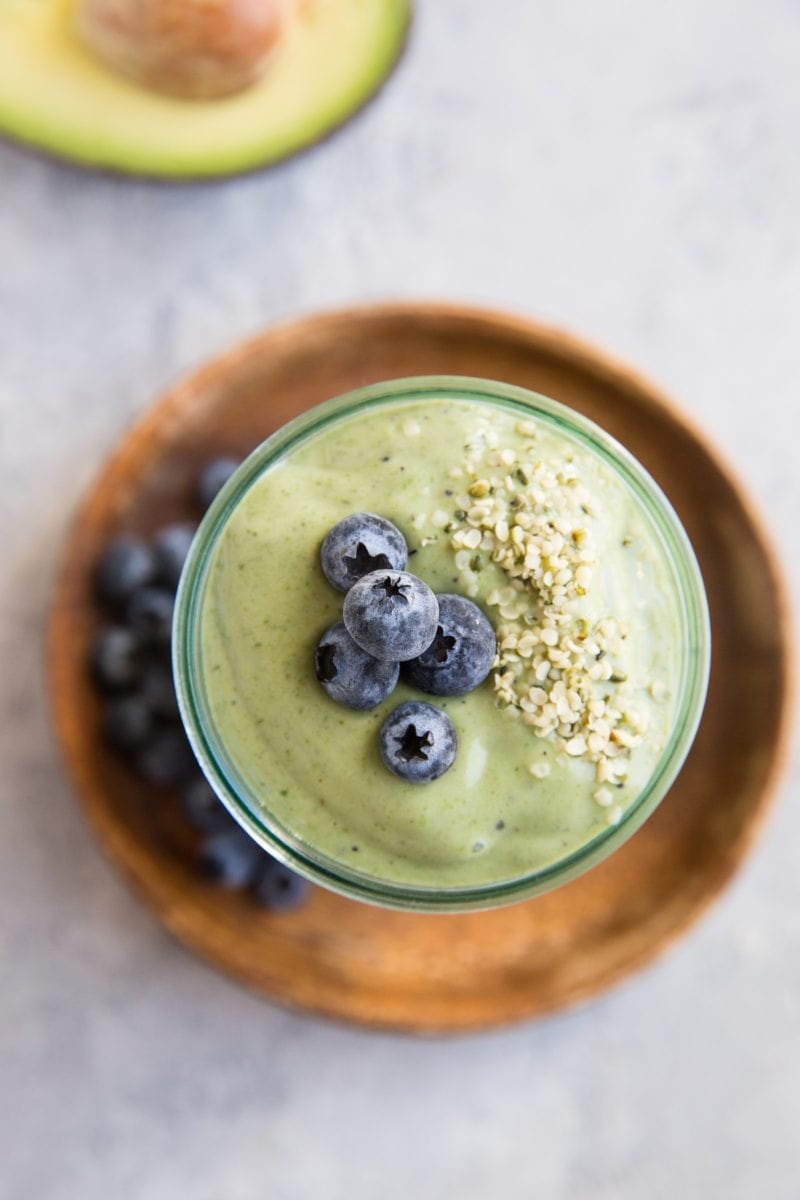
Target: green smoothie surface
<point x="543" y="534"/>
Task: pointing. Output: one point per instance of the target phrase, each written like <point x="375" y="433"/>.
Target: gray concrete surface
<point x="628" y="171"/>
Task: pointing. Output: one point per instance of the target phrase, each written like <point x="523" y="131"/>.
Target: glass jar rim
<point x="249" y="810"/>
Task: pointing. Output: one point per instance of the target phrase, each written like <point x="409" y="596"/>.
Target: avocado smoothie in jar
<point x="601" y="646"/>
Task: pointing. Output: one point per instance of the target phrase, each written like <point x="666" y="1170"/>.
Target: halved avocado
<point x="57" y="97"/>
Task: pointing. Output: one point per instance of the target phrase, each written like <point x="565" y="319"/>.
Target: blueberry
<point x="203" y="808"/>
<point x="116" y="658"/>
<point x="158" y="689"/>
<point x="170" y="547"/>
<point x="166" y="758"/>
<point x="348" y="674"/>
<point x="127" y="722"/>
<point x="460" y="655"/>
<point x="229" y="858"/>
<point x="149" y="613"/>
<point x="280" y="889"/>
<point x="418" y="742"/>
<point x="359" y="544"/>
<point x="391" y="614"/>
<point x="213" y="478"/>
<point x="127" y="563"/>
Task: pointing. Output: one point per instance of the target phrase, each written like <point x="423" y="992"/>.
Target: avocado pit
<point x="182" y="48"/>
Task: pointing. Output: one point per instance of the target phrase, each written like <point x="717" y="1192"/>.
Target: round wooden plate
<point x="426" y="973"/>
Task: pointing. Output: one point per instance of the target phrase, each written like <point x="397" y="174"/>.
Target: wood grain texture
<point x="429" y="973"/>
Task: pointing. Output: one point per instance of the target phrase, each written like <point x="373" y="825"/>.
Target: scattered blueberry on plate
<point x="116" y="658"/>
<point x="149" y="613"/>
<point x="158" y="688"/>
<point x="202" y="807"/>
<point x="129" y="660"/>
<point x="213" y="478"/>
<point x="280" y="889"/>
<point x="229" y="858"/>
<point x="165" y="759"/>
<point x="171" y="547"/>
<point x="126" y="564"/>
<point x="127" y="722"/>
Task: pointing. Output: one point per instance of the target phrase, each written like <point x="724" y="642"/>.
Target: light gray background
<point x="629" y="171"/>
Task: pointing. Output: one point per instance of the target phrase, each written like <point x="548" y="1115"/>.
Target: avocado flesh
<point x="57" y="97"/>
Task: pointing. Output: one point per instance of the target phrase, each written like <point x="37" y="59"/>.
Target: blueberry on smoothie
<point x="461" y="654"/>
<point x="280" y="889"/>
<point x="348" y="674"/>
<point x="116" y="658"/>
<point x="127" y="563"/>
<point x="391" y="614"/>
<point x="229" y="858"/>
<point x="170" y="547"/>
<point x="361" y="543"/>
<point x="213" y="478"/>
<point x="418" y="742"/>
<point x="149" y="613"/>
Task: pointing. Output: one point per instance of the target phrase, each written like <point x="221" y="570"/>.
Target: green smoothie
<point x="560" y="554"/>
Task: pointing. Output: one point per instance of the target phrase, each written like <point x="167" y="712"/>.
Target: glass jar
<point x="259" y="813"/>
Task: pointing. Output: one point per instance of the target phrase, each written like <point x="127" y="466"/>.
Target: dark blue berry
<point x="391" y="614"/>
<point x="280" y="889"/>
<point x="359" y="544"/>
<point x="418" y="742"/>
<point x="116" y="658"/>
<point x="127" y="722"/>
<point x="213" y="478"/>
<point x="158" y="689"/>
<point x="170" y="547"/>
<point x="203" y="808"/>
<point x="348" y="674"/>
<point x="229" y="858"/>
<point x="127" y="563"/>
<point x="166" y="758"/>
<point x="461" y="653"/>
<point x="149" y="613"/>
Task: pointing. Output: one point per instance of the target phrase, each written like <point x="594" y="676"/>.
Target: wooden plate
<point x="426" y="973"/>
